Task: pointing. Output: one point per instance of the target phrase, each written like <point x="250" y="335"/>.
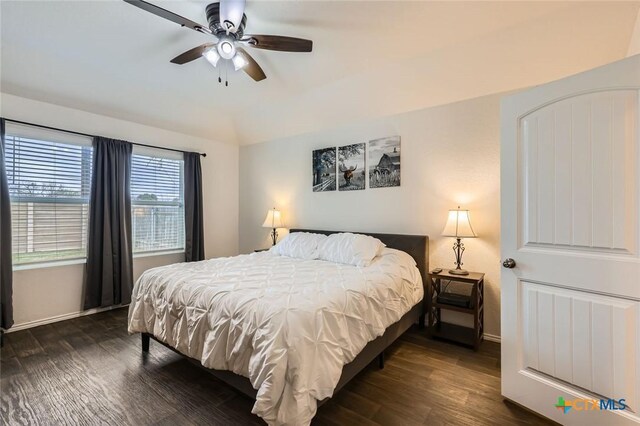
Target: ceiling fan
<point x="227" y="22"/>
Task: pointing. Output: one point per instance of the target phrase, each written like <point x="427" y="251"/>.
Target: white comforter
<point x="289" y="325"/>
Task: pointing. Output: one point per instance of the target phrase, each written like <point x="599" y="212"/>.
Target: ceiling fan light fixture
<point x="239" y="61"/>
<point x="226" y="49"/>
<point x="212" y="56"/>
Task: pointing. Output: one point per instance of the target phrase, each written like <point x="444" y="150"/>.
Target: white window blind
<point x="157" y="201"/>
<point x="49" y="176"/>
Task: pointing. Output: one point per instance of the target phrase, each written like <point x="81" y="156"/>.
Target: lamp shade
<point x="458" y="225"/>
<point x="273" y="219"/>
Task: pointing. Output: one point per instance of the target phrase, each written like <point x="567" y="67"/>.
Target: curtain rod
<point x="204" y="154"/>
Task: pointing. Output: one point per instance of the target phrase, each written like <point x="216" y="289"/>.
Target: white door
<point x="570" y="221"/>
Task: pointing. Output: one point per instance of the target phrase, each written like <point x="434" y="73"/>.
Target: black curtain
<point x="109" y="274"/>
<point x="193" y="216"/>
<point x="6" y="272"/>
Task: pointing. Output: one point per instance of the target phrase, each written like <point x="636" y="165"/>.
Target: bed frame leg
<point x="146" y="339"/>
<point x="381" y="360"/>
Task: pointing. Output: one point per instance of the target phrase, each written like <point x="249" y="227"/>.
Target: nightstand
<point x="436" y="327"/>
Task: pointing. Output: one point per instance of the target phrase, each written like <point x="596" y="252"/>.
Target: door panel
<point x="581" y="338"/>
<point x="579" y="172"/>
<point x="570" y="191"/>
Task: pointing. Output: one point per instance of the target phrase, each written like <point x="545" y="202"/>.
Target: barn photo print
<point x="352" y="167"/>
<point x="384" y="162"/>
<point x="324" y="170"/>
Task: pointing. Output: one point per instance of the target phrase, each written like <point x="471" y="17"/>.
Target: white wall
<point x="450" y="156"/>
<point x="634" y="43"/>
<point x="50" y="292"/>
<point x="571" y="38"/>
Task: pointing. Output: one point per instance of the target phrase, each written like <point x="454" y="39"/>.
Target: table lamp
<point x="273" y="221"/>
<point x="458" y="226"/>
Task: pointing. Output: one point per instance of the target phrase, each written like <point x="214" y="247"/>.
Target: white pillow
<point x="352" y="249"/>
<point x="301" y="245"/>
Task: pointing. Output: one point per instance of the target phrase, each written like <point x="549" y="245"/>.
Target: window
<point x="157" y="201"/>
<point x="49" y="176"/>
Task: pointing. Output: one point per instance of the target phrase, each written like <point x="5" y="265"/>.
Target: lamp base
<point x="458" y="272"/>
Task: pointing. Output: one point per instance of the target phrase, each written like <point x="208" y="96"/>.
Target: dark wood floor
<point x="89" y="371"/>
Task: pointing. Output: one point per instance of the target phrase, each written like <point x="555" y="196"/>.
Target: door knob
<point x="509" y="263"/>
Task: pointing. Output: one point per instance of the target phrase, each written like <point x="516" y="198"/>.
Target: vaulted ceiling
<point x="370" y="59"/>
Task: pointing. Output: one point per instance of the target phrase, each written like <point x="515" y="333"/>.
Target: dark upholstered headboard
<point x="417" y="246"/>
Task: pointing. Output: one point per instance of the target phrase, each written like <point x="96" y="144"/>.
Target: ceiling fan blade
<point x="191" y="54"/>
<point x="280" y="43"/>
<point x="231" y="11"/>
<point x="252" y="68"/>
<point x="163" y="13"/>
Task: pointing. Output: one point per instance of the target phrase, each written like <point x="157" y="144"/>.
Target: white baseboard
<point x="491" y="338"/>
<point x="57" y="318"/>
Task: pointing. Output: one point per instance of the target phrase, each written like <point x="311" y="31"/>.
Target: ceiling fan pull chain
<point x="226" y="74"/>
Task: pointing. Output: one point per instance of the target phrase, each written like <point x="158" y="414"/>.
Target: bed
<point x="288" y="333"/>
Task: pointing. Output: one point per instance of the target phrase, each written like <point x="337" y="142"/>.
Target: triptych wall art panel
<point x="345" y="168"/>
<point x="384" y="157"/>
<point x="352" y="168"/>
<point x="324" y="170"/>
